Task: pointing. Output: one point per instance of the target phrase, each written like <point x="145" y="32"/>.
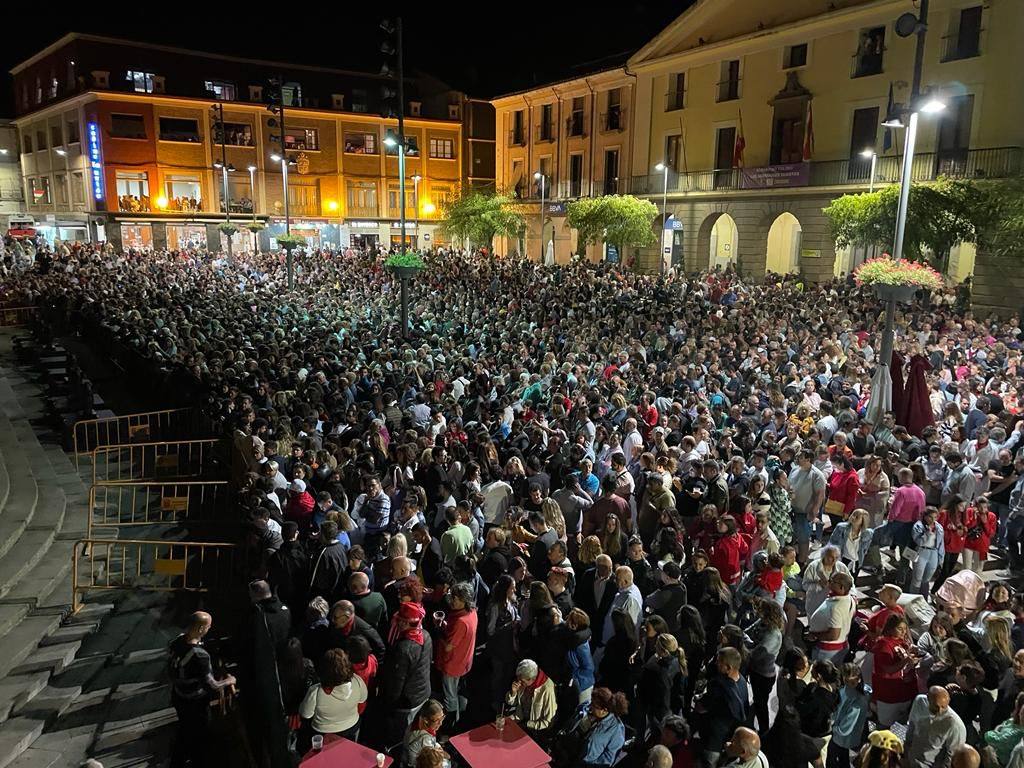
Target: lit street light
<point x="540" y="176"/>
<point x="416" y="205"/>
<point x="870" y="153"/>
<point x="663" y="167"/>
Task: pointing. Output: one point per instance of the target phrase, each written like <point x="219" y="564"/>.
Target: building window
<point x="54" y="85"/>
<point x="613" y="117"/>
<point x="179" y="129"/>
<point x="361" y="143"/>
<point x="238" y="135"/>
<point x="72" y="130"/>
<point x="304" y="199"/>
<point x="60" y="183"/>
<point x="729" y="82"/>
<point x="442" y="149"/>
<point x="795" y="56"/>
<point x="77" y="188"/>
<point x="870" y="52"/>
<point x="184" y="193"/>
<point x="575" y="175"/>
<point x="221" y="91"/>
<point x="393" y="198"/>
<point x="132" y="190"/>
<point x="412" y="147"/>
<point x="56" y="140"/>
<point x="141" y="82"/>
<point x="291" y="95"/>
<point x="441" y="197"/>
<point x="27" y="141"/>
<point x="302" y="139"/>
<point x="520" y="186"/>
<point x="127" y="126"/>
<point x="40" y="140"/>
<point x="545" y="175"/>
<point x="518" y="135"/>
<point x="40" y="190"/>
<point x="39" y="91"/>
<point x="359" y="100"/>
<point x="547" y="125"/>
<point x="964" y="39"/>
<point x="576" y="118"/>
<point x="24" y="96"/>
<point x="676" y="96"/>
<point x="672" y="144"/>
<point x="362" y="198"/>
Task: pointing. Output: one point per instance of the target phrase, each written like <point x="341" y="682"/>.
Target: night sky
<point x="472" y="46"/>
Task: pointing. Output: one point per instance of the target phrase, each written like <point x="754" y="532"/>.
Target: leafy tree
<point x="623" y="220"/>
<point x="481" y="216"/>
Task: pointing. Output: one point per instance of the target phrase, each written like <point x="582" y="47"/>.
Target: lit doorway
<point x="784" y="239"/>
<point x="724" y="242"/>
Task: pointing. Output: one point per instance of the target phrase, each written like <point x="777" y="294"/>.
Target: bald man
<point x="370" y="606"/>
<point x="192" y="686"/>
<point x="628" y="599"/>
<point x="744" y="750"/>
<point x="966" y="756"/>
<point x="934" y="731"/>
<point x="658" y="757"/>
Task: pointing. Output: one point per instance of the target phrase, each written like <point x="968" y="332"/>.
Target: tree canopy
<point x="481" y="216"/>
<point x="622" y="220"/>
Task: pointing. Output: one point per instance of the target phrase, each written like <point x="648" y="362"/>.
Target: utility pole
<point x="218" y="117"/>
<point x="276" y="107"/>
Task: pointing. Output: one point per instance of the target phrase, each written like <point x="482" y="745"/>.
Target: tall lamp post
<point x="252" y="198"/>
<point x="285" y="162"/>
<point x="63" y="152"/>
<point x="416" y="207"/>
<point x="663" y="167"/>
<point x="870" y="153"/>
<point x="543" y="184"/>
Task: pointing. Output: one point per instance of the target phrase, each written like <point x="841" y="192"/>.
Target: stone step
<point x="51" y="657"/>
<point x="32" y="547"/>
<point x="48" y="584"/>
<point x="23" y="640"/>
<point x="23" y="494"/>
<point x="17" y="690"/>
<point x="11" y="615"/>
<point x="19" y="733"/>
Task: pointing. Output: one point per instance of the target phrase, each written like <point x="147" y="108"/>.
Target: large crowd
<point x="627" y="512"/>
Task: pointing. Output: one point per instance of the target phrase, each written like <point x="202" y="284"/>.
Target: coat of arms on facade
<point x="302" y="163"/>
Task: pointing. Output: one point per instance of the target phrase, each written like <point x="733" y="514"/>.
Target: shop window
<point x="361" y="143"/>
<point x="186" y="236"/>
<point x="132" y="191"/>
<point x="179" y="129"/>
<point x="137" y="235"/>
<point x="127" y="126"/>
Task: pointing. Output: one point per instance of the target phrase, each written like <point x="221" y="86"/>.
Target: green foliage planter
<point x="405" y="265"/>
<point x="255" y="226"/>
<point x="897" y="280"/>
<point x="227" y="229"/>
<point x="291" y="242"/>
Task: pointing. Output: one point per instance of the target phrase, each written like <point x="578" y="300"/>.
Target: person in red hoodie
<point x="364" y="664"/>
<point x="979" y="536"/>
<point x="956" y="520"/>
<point x="843" y="486"/>
<point x="729" y="552"/>
<point x="300" y="506"/>
<point x="456" y="648"/>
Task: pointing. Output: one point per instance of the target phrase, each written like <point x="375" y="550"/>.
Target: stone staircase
<point x="67" y="690"/>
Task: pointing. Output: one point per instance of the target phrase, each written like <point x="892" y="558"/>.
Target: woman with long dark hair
<point x="692" y="640"/>
<point x="762" y="669"/>
<point x="615" y="670"/>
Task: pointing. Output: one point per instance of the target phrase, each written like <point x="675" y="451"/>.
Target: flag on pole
<point x="741" y="143"/>
<point x="809" y="134"/>
<point x="890" y="108"/>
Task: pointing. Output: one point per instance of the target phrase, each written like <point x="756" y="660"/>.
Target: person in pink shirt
<point x="907" y="507"/>
<point x="455" y="651"/>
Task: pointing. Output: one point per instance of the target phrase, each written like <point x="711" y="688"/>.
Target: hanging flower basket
<point x="227" y="228"/>
<point x="897" y="280"/>
<point x="405" y="265"/>
<point x="255" y="226"/>
<point x="291" y="242"/>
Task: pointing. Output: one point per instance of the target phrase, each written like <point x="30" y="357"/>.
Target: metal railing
<point x="954" y="48"/>
<point x="576" y="125"/>
<point x="613" y="120"/>
<point x="728" y="90"/>
<point x="137" y="462"/>
<point x="154" y="566"/>
<point x="123" y="505"/>
<point x="867" y="64"/>
<point x="10" y="316"/>
<point x="676" y="100"/>
<point x="546" y="131"/>
<point x="89" y="434"/>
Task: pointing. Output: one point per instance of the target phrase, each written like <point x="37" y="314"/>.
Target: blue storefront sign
<point x="95" y="161"/>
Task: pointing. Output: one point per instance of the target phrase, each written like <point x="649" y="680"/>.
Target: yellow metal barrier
<point x="89" y="434"/>
<point x="119" y="505"/>
<point x="16" y="315"/>
<point x="138" y="462"/>
<point x="154" y="566"/>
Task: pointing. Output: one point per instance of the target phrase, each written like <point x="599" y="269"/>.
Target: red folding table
<point x="484" y="747"/>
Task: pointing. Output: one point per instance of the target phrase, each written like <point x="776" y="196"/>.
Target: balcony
<point x="728" y="90"/>
<point x="866" y="64"/>
<point x="517" y="138"/>
<point x="993" y="163"/>
<point x="576" y="125"/>
<point x="956" y="47"/>
<point x="362" y="211"/>
<point x="546" y="131"/>
<point x="613" y="120"/>
<point x="676" y="99"/>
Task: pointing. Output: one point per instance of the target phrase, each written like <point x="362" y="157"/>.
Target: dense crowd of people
<point x="627" y="512"/>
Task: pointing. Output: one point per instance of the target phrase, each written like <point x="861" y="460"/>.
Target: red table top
<point x="483" y="747"/>
<point x="342" y="753"/>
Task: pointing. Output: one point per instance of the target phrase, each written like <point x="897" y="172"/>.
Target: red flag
<point x="741" y="143"/>
<point x="809" y="134"/>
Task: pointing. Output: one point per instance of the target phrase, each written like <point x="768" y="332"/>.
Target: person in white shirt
<point x="497" y="500"/>
<point x="632" y="443"/>
<point x="934" y="731"/>
<point x="744" y="749"/>
<point x="830" y="623"/>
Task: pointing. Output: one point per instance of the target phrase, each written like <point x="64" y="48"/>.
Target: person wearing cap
<point x="300" y="505"/>
<point x="883" y="749"/>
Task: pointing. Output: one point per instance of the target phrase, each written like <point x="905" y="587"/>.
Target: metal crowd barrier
<point x="90" y="434"/>
<point x="154" y="566"/>
<point x="139" y="462"/>
<point x="121" y="505"/>
<point x="10" y="316"/>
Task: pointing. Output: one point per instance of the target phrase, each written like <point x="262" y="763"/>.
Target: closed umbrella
<point x="881" y="395"/>
<point x="899" y="398"/>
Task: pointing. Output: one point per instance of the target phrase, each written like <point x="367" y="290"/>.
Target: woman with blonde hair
<point x="590" y="550"/>
<point x="853" y="538"/>
<point x="998" y="659"/>
<point x="553" y="516"/>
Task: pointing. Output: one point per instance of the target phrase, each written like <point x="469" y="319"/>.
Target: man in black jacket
<point x="497" y="555"/>
<point x="539" y="548"/>
<point x="405" y="677"/>
<point x="595" y="592"/>
<point x="345" y="625"/>
<point x="288" y="569"/>
<point x="667" y="599"/>
<point x="329" y="564"/>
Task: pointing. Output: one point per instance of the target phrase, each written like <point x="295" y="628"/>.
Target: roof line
<point x="553" y="83"/>
<point x="71" y="36"/>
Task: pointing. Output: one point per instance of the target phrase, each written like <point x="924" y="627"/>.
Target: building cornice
<point x="611" y="78"/>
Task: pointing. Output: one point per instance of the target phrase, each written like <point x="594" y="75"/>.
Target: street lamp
<point x="63" y="152"/>
<point x="540" y="177"/>
<point x="870" y="153"/>
<point x="663" y="167"/>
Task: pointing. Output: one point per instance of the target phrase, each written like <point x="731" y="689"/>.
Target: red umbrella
<point x="919" y="408"/>
<point x="899" y="400"/>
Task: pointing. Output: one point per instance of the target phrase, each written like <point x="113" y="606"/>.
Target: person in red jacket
<point x="979" y="536"/>
<point x="455" y="651"/>
<point x="893" y="682"/>
<point x="729" y="551"/>
<point x="843" y="485"/>
<point x="300" y="506"/>
<point x="956" y="520"/>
